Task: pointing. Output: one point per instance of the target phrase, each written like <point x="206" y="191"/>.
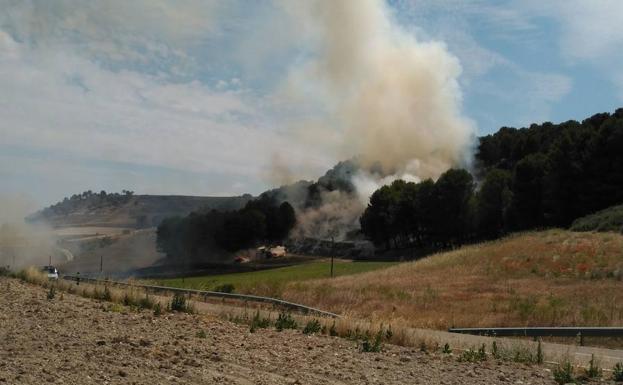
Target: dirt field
<point x="73" y="340"/>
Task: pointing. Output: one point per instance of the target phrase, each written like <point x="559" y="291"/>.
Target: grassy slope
<point x="543" y="278"/>
<point x="271" y="282"/>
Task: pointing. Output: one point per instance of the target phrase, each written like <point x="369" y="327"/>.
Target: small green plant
<point x="563" y="374"/>
<point x="115" y="308"/>
<point x="446" y="349"/>
<point x="617" y="372"/>
<point x="374" y="346"/>
<point x="179" y="304"/>
<point x="539" y="353"/>
<point x="258" y="322"/>
<point x="225" y="288"/>
<point x="285" y="321"/>
<point x="52" y="292"/>
<point x="201" y="334"/>
<point x="495" y="352"/>
<point x="389" y="333"/>
<point x="482" y="354"/>
<point x="312" y="327"/>
<point x="127" y="300"/>
<point x="333" y="330"/>
<point x="146" y="303"/>
<point x="593" y="370"/>
<point x="157" y="309"/>
<point x="471" y="355"/>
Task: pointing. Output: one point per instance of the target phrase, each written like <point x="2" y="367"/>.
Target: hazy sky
<point x="189" y="96"/>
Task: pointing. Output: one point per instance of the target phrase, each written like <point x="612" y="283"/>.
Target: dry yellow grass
<point x="545" y="278"/>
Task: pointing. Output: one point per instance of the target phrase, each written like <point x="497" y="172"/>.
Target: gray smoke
<point x="387" y="98"/>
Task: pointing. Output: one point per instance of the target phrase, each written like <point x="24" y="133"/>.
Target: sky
<point x="194" y="97"/>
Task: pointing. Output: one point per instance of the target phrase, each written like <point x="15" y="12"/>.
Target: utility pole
<point x="50" y="259"/>
<point x="101" y="264"/>
<point x="332" y="253"/>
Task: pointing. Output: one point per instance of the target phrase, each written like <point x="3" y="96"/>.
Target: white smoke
<point x="23" y="244"/>
<point x="387" y="98"/>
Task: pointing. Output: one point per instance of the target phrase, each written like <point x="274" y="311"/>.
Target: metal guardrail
<point x="543" y="331"/>
<point x="205" y="293"/>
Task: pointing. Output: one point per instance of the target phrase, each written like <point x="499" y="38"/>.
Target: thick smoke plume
<point x="390" y="100"/>
<point x="23" y="244"/>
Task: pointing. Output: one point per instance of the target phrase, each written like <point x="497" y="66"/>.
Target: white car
<point x="51" y="271"/>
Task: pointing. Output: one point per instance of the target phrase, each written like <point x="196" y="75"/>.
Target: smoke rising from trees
<point x="388" y="99"/>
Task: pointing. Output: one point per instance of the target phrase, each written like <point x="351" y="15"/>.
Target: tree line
<point x="544" y="175"/>
<point x="204" y="234"/>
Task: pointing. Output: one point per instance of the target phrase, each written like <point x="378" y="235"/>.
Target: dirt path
<point x="76" y="341"/>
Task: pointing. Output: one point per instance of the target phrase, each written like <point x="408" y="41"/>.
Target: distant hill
<point x="129" y="210"/>
<point x="610" y="219"/>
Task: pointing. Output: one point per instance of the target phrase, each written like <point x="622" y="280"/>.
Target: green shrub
<point x="333" y="330"/>
<point x="375" y="346"/>
<point x="146" y="303"/>
<point x="494" y="350"/>
<point x="201" y="334"/>
<point x="539" y="353"/>
<point x="446" y="349"/>
<point x="593" y="371"/>
<point x="128" y="300"/>
<point x="617" y="372"/>
<point x="225" y="288"/>
<point x="563" y="374"/>
<point x="471" y="355"/>
<point x="52" y="292"/>
<point x="285" y="321"/>
<point x="179" y="304"/>
<point x="157" y="309"/>
<point x="258" y="322"/>
<point x="312" y="327"/>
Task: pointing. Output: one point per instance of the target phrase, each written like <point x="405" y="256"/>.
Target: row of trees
<point x="202" y="234"/>
<point x="541" y="176"/>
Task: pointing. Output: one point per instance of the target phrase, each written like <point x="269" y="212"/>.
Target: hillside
<point x="73" y="340"/>
<point x="545" y="278"/>
<point x="610" y="219"/>
<point x="128" y="210"/>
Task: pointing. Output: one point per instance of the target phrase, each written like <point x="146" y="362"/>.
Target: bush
<point x="52" y="292"/>
<point x="333" y="330"/>
<point x="202" y="334"/>
<point x="128" y="300"/>
<point x="375" y="346"/>
<point x="312" y="327"/>
<point x="472" y="355"/>
<point x="157" y="309"/>
<point x="258" y="322"/>
<point x="285" y="321"/>
<point x="225" y="288"/>
<point x="179" y="304"/>
<point x="146" y="303"/>
<point x="446" y="349"/>
<point x="617" y="372"/>
<point x="563" y="374"/>
<point x="593" y="371"/>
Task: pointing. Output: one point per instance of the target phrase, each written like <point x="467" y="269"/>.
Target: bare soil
<point x="73" y="340"/>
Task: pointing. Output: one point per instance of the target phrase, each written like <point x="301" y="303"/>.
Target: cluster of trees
<point x="541" y="176"/>
<point x="201" y="234"/>
<point x="421" y="214"/>
<point x="88" y="199"/>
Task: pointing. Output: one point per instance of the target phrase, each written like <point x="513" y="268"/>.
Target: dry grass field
<point x="545" y="278"/>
